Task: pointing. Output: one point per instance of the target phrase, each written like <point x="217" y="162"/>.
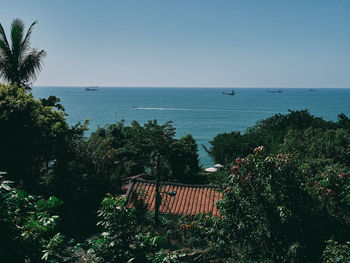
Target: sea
<point x="202" y="112"/>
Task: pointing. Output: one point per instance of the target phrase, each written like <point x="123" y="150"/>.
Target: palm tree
<point x="19" y="63"/>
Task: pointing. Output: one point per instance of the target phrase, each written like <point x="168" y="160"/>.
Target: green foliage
<point x="271" y="133"/>
<point x="267" y="210"/>
<point x="202" y="231"/>
<point x="163" y="257"/>
<point x="34" y="138"/>
<point x="28" y="227"/>
<point x="336" y="252"/>
<point x="18" y="62"/>
<point x="42" y="154"/>
<point x="282" y="207"/>
<point x="225" y="147"/>
<point x="319" y="148"/>
<point x="126" y="236"/>
<point x="332" y="189"/>
<point x="274" y="212"/>
<point x="128" y="150"/>
<point x="183" y="160"/>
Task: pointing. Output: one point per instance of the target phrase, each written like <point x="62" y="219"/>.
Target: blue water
<point x="203" y="112"/>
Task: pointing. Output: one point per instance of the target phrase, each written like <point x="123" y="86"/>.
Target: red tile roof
<point x="189" y="199"/>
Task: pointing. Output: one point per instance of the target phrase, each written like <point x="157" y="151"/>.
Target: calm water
<point x="203" y="112"/>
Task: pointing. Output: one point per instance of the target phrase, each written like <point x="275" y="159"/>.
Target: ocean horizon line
<point x="188" y="87"/>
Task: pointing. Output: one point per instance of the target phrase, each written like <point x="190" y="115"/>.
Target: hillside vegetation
<point x="285" y="185"/>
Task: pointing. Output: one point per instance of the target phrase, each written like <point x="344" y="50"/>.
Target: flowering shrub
<point x="269" y="212"/>
<point x="332" y="189"/>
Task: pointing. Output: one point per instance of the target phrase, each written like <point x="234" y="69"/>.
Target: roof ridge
<point x="174" y="183"/>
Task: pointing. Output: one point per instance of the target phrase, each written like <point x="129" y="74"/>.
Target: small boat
<point x="91" y="89"/>
<point x="275" y="91"/>
<point x="312" y="90"/>
<point x="229" y="93"/>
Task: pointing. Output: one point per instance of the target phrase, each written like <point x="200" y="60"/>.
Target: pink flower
<point x="330" y="192"/>
<point x="234" y="169"/>
<point x="239" y="160"/>
<point x="342" y="175"/>
<point x="258" y="149"/>
<point x="249" y="176"/>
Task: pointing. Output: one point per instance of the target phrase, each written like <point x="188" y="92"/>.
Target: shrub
<point x="336" y="252"/>
<point x="28" y="227"/>
<point x="126" y="236"/>
<point x="269" y="215"/>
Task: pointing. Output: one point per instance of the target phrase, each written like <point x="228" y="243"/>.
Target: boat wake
<point x="170" y="109"/>
<point x="206" y="110"/>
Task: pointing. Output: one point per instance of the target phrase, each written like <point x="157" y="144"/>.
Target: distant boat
<point x="312" y="90"/>
<point x="91" y="88"/>
<point x="229" y="93"/>
<point x="275" y="91"/>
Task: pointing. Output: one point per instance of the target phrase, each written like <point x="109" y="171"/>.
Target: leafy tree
<point x="226" y="147"/>
<point x="183" y="160"/>
<point x="318" y="148"/>
<point x="43" y="155"/>
<point x="270" y="132"/>
<point x="82" y="180"/>
<point x="343" y="121"/>
<point x="35" y="137"/>
<point x="128" y="150"/>
<point x="18" y="62"/>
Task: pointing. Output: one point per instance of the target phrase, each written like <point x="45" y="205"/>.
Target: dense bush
<point x="274" y="212"/>
<point x="127" y="235"/>
<point x="336" y="252"/>
<point x="319" y="148"/>
<point x="28" y="227"/>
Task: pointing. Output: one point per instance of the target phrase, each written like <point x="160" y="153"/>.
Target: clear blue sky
<point x="209" y="43"/>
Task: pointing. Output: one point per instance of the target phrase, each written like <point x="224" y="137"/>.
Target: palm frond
<point x="3" y="36"/>
<point x="26" y="40"/>
<point x="5" y="69"/>
<point x="17" y="28"/>
<point x="31" y="65"/>
<point x="4" y="45"/>
<point x="4" y="49"/>
<point x="17" y="62"/>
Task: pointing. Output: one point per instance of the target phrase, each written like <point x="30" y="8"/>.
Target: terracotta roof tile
<point x="189" y="199"/>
